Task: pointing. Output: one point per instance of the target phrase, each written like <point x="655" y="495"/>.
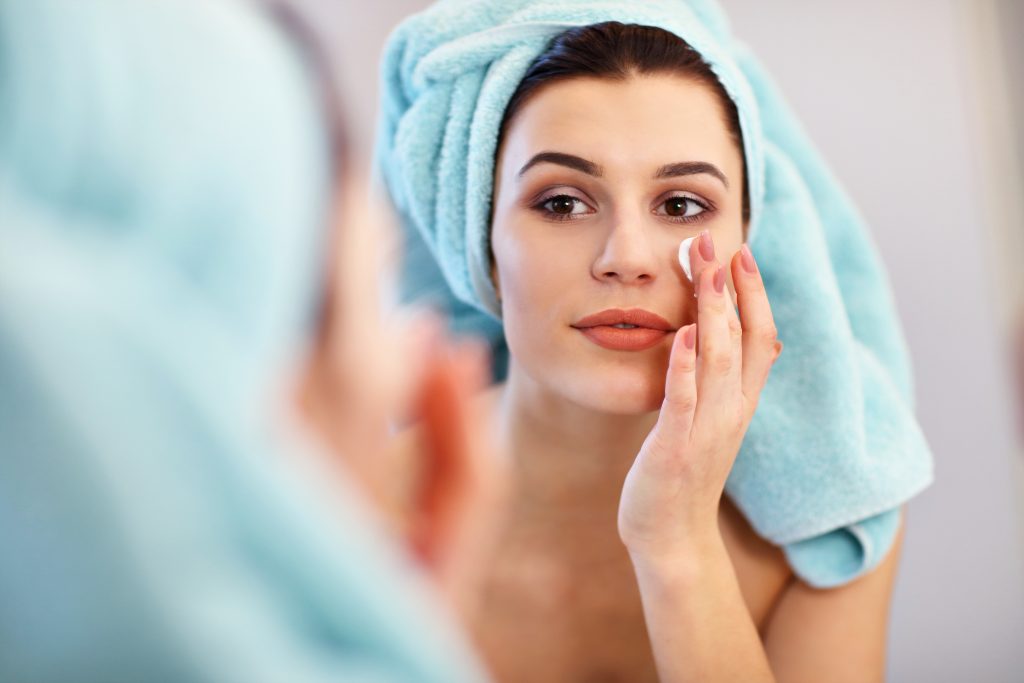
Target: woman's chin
<point x="619" y="392"/>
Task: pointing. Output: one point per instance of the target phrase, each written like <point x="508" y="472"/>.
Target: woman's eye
<point x="564" y="205"/>
<point x="683" y="207"/>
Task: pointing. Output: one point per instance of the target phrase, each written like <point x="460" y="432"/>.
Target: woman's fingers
<point x="760" y="343"/>
<point x="719" y="339"/>
<point x="681" y="383"/>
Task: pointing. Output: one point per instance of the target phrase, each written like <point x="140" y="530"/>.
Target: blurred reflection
<point x="196" y="382"/>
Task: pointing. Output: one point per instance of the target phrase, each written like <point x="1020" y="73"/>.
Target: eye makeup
<point x="541" y="206"/>
<point x="687" y="200"/>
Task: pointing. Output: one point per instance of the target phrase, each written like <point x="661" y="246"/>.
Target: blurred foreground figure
<point x="194" y="398"/>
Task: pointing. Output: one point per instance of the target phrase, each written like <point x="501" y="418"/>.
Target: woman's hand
<point x="717" y="369"/>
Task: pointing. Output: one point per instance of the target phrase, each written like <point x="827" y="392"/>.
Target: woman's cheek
<point x="533" y="262"/>
<point x="531" y="298"/>
<point x="537" y="292"/>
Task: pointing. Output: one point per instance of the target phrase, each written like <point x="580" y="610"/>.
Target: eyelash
<point x="703" y="215"/>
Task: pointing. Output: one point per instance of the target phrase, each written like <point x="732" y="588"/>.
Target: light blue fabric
<point x="834" y="449"/>
<point x="164" y="196"/>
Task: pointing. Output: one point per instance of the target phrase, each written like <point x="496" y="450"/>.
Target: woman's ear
<point x="458" y="497"/>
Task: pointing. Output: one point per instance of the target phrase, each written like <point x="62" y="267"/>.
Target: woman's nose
<point x="627" y="256"/>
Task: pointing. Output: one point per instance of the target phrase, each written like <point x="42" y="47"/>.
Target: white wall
<point x="903" y="99"/>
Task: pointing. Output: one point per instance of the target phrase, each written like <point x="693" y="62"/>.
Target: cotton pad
<point x="684" y="257"/>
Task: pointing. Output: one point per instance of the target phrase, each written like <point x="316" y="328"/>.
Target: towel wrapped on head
<point x="834" y="448"/>
<point x="165" y="202"/>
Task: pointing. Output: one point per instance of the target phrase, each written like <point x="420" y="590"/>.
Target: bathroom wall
<point x="904" y="99"/>
<point x="911" y="102"/>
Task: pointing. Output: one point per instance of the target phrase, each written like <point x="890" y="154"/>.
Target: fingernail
<point x="720" y="279"/>
<point x="707" y="246"/>
<point x="690" y="336"/>
<point x="748" y="259"/>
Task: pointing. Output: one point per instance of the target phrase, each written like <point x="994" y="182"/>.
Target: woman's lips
<point x="637" y="329"/>
<point x="617" y="339"/>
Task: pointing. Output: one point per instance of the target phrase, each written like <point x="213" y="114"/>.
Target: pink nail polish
<point x="690" y="336"/>
<point x="707" y="246"/>
<point x="748" y="259"/>
<point x="720" y="279"/>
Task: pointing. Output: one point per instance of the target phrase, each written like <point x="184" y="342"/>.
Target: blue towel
<point x="834" y="448"/>
<point x="164" y="197"/>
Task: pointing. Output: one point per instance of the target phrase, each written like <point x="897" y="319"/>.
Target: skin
<point x="438" y="485"/>
<point x="622" y="558"/>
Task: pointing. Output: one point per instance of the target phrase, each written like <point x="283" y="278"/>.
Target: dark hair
<point x="613" y="50"/>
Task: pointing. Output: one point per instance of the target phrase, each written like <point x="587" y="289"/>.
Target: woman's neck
<point x="571" y="459"/>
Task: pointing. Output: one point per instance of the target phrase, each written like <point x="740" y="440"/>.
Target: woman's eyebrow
<point x="572" y="161"/>
<point x="563" y="159"/>
<point x="691" y="168"/>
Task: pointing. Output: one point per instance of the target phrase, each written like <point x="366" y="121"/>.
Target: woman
<point x="594" y="231"/>
<point x="627" y="397"/>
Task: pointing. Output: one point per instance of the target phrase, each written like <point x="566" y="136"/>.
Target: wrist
<point x="682" y="558"/>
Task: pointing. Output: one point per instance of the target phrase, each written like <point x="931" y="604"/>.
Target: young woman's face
<point x="630" y="169"/>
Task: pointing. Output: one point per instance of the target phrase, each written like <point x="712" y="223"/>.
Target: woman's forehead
<point x="638" y="123"/>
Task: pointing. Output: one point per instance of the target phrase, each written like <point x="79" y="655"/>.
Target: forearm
<point x="698" y="623"/>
